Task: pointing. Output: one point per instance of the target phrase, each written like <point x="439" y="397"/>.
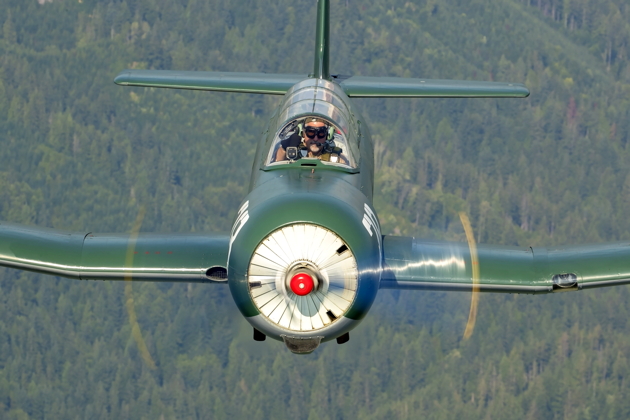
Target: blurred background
<point x="79" y="153"/>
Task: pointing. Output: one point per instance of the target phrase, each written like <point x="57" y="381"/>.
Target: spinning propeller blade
<point x="474" y="300"/>
<point x="133" y="319"/>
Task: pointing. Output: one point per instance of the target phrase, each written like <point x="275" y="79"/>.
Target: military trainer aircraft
<point x="306" y="257"/>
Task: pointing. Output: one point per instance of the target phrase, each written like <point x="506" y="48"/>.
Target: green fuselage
<point x="309" y="191"/>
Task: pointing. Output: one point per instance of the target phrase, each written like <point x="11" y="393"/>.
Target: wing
<point x="354" y="86"/>
<point x="274" y="84"/>
<point x="411" y="263"/>
<point x="397" y="87"/>
<point x="88" y="256"/>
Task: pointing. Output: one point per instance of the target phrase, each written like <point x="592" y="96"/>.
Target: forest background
<point x="79" y="153"/>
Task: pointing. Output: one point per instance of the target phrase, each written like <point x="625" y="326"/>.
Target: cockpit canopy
<point x="320" y="102"/>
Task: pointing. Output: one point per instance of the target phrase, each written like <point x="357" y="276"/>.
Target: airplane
<point x="306" y="258"/>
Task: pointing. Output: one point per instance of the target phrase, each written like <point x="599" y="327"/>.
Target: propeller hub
<point x="301" y="284"/>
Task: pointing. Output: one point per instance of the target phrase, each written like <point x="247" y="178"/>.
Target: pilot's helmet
<point x="315" y="119"/>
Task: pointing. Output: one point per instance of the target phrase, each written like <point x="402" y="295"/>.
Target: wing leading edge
<point x="398" y="87"/>
<point x="410" y="263"/>
<point x="87" y="256"/>
<point x="272" y="84"/>
<point x="354" y="86"/>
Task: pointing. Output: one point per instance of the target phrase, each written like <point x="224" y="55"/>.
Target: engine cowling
<point x="309" y="280"/>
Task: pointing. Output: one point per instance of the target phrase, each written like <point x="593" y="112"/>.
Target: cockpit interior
<point x="311" y="137"/>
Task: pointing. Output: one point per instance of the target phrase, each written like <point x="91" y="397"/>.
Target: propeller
<point x="474" y="299"/>
<point x="131" y="311"/>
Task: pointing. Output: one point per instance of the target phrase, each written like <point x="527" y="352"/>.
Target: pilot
<point x="312" y="140"/>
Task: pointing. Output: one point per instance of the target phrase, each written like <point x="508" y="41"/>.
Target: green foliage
<point x="80" y="153"/>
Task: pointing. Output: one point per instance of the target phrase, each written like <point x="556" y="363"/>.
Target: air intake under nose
<point x="302" y="277"/>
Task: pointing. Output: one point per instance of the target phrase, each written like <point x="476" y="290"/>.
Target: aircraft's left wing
<point x="411" y="263"/>
<point x="88" y="256"/>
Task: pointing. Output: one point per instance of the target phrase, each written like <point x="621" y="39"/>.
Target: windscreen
<point x="315" y="124"/>
<point x="311" y="137"/>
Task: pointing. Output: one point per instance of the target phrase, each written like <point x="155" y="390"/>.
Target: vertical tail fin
<point x="321" y="69"/>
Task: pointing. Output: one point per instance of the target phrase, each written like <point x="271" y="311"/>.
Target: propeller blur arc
<point x="474" y="299"/>
<point x="129" y="303"/>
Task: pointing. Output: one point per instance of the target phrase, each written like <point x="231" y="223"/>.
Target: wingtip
<point x="523" y="91"/>
<point x="122" y="79"/>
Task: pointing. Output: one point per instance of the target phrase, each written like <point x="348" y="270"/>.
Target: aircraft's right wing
<point x="88" y="256"/>
<point x="411" y="263"/>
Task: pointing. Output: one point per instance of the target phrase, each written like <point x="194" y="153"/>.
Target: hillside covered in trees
<point x="79" y="153"/>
